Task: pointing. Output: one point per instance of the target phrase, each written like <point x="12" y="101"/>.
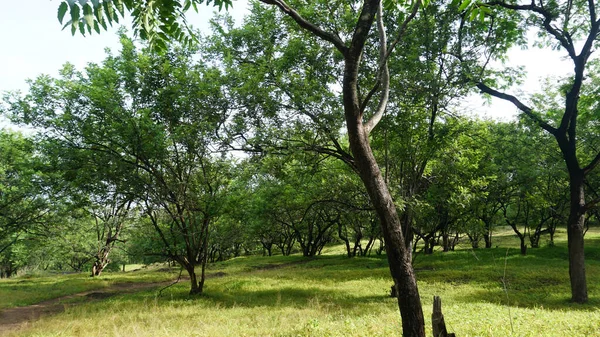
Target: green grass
<point x="31" y="289"/>
<point x="335" y="296"/>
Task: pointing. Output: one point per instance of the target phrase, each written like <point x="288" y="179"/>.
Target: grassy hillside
<point x="494" y="292"/>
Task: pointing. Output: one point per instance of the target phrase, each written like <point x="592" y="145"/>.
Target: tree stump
<point x="437" y="319"/>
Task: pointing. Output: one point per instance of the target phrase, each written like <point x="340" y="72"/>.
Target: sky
<point x="34" y="43"/>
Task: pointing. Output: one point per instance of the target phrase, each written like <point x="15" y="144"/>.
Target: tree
<point x="150" y="121"/>
<point x="23" y="204"/>
<point x="572" y="27"/>
<point x="350" y="34"/>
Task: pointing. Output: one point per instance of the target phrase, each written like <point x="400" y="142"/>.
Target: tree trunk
<point x="100" y="263"/>
<point x="437" y="320"/>
<point x="195" y="288"/>
<point x="575" y="231"/>
<point x="409" y="302"/>
<point x="523" y="245"/>
<point x="487" y="236"/>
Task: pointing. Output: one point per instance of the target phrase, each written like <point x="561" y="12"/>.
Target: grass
<point x="335" y="296"/>
<point x="31" y="289"/>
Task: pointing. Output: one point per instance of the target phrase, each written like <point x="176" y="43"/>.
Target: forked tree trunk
<point x="101" y="261"/>
<point x="399" y="256"/>
<point x="195" y="288"/>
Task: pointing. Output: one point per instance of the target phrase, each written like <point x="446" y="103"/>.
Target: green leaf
<point x="88" y="15"/>
<point x="464" y="5"/>
<point x="119" y="6"/>
<point x="75" y="13"/>
<point x="62" y="10"/>
<point x="186" y="5"/>
<point x="109" y="11"/>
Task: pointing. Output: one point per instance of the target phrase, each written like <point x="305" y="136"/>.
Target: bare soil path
<point x="12" y="318"/>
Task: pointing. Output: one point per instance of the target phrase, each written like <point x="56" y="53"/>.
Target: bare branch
<point x="327" y="36"/>
<point x="525" y="109"/>
<point x="384" y="75"/>
<point x="592" y="164"/>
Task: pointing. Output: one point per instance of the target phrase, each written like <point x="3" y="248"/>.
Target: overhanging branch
<point x="524" y="108"/>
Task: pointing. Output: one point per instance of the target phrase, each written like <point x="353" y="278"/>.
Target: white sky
<point x="34" y="44"/>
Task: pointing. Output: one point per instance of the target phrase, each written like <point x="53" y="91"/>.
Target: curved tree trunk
<point x="409" y="302"/>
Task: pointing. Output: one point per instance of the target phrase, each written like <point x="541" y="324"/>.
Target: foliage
<point x="157" y="22"/>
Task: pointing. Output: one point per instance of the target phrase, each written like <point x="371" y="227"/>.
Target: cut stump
<point x="437" y="319"/>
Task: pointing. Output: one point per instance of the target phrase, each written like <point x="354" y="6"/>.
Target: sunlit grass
<point x="485" y="292"/>
<point x="30" y="289"/>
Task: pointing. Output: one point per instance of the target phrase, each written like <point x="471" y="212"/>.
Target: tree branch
<point x="327" y="36"/>
<point x="403" y="28"/>
<point x="384" y="76"/>
<point x="383" y="60"/>
<point x="525" y="109"/>
<point x="592" y="8"/>
<point x="592" y="164"/>
<point x="548" y="17"/>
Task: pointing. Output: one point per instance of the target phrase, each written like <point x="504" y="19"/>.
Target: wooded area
<point x="311" y="124"/>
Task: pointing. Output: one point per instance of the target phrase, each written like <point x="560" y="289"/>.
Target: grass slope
<point x="486" y="292"/>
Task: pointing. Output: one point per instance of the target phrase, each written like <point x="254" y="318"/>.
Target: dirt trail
<point x="12" y="318"/>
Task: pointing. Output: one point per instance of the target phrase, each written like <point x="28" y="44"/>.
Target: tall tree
<point x="573" y="27"/>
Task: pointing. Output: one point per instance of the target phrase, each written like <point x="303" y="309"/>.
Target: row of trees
<point x="486" y="177"/>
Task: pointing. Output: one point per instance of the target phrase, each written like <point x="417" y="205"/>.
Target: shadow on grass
<point x="294" y="297"/>
<point x="545" y="299"/>
<point x="539" y="279"/>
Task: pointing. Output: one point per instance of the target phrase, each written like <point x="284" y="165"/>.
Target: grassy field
<point x="493" y="292"/>
<point x="31" y="289"/>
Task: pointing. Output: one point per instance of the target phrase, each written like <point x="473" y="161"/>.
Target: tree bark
<point x="409" y="302"/>
<point x="575" y="231"/>
<point x="195" y="288"/>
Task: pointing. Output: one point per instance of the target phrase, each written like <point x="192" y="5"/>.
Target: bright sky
<point x="34" y="44"/>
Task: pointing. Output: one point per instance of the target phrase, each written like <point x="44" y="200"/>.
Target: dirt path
<point x="12" y="318"/>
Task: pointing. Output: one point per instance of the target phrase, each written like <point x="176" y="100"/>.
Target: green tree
<point x="23" y="204"/>
<point x="150" y="120"/>
<point x="572" y="27"/>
